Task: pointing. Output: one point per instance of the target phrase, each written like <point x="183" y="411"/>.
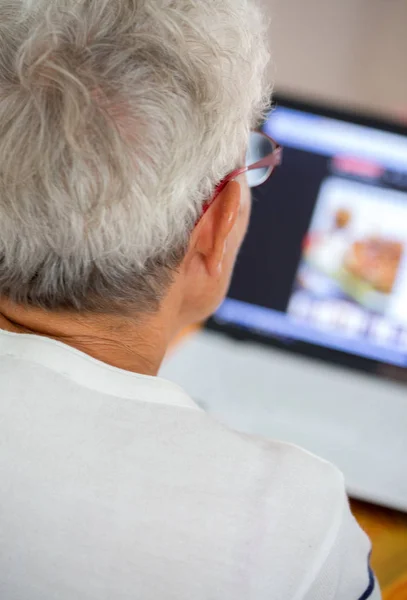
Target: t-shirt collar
<point x="91" y="373"/>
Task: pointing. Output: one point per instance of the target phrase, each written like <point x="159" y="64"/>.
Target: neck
<point x="134" y="344"/>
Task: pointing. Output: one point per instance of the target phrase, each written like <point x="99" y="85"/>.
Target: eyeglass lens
<point x="259" y="147"/>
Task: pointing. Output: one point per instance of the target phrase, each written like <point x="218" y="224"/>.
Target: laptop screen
<point x="325" y="259"/>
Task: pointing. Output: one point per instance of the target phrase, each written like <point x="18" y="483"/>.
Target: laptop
<point x="310" y="346"/>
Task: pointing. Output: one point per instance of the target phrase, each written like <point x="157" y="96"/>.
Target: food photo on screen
<point x="353" y="271"/>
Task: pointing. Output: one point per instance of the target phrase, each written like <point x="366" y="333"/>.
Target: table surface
<point x="388" y="531"/>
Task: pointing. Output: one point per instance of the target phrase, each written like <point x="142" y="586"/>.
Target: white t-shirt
<point x="116" y="486"/>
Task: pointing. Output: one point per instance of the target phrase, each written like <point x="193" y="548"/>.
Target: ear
<point x="212" y="232"/>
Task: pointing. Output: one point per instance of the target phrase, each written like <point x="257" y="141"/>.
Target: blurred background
<point x="348" y="52"/>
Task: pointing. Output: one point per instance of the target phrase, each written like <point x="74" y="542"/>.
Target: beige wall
<point x="348" y="51"/>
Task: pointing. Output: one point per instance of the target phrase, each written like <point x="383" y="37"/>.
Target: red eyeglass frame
<point x="272" y="160"/>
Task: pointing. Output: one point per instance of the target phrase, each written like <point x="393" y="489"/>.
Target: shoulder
<point x="305" y="495"/>
<point x="308" y="529"/>
<point x="301" y="481"/>
<point x="288" y="480"/>
<point x="299" y="497"/>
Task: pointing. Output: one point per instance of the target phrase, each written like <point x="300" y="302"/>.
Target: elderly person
<point x="123" y="203"/>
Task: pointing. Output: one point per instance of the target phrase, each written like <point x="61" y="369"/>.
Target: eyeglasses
<point x="262" y="158"/>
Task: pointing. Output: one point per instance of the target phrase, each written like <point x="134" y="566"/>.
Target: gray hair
<point x="118" y="118"/>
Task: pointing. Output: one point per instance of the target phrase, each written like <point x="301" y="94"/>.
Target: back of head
<point x="117" y="121"/>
